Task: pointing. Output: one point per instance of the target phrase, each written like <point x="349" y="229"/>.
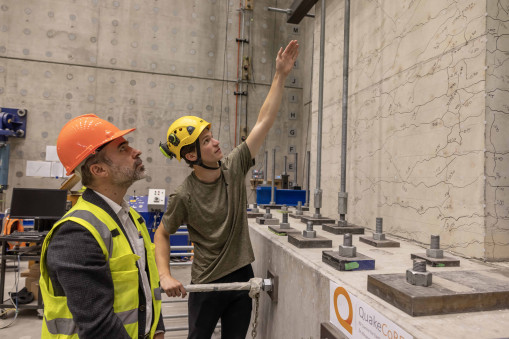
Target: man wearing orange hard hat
<point x="98" y="273"/>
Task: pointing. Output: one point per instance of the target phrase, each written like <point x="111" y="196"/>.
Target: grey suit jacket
<point x="78" y="270"/>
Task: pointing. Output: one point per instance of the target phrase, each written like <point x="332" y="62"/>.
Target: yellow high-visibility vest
<point x="58" y="321"/>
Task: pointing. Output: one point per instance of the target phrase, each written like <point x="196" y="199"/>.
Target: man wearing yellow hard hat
<point x="211" y="201"/>
<point x="98" y="273"/>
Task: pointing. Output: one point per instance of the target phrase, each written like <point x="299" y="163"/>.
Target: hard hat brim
<point x="91" y="150"/>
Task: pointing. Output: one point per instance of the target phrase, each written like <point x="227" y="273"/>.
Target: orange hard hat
<point x="81" y="136"/>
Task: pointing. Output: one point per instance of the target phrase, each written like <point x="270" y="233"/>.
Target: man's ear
<point x="191" y="156"/>
<point x="98" y="170"/>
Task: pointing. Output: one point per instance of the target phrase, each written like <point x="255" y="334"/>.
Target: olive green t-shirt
<point x="216" y="218"/>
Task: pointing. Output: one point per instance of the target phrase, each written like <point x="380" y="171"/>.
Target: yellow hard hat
<point x="184" y="131"/>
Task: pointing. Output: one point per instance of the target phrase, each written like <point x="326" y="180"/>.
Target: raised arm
<point x="284" y="64"/>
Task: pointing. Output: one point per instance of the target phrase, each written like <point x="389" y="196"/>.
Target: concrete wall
<point x="426" y="120"/>
<point x="142" y="63"/>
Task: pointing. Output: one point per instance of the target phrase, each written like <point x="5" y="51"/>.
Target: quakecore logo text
<point x="380" y="327"/>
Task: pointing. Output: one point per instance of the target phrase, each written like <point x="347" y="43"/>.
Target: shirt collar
<point x="114" y="206"/>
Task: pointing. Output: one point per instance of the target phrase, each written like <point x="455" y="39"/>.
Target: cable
<point x="15" y="304"/>
<point x="224" y="68"/>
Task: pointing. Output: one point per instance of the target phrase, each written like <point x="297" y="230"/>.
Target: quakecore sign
<point x="356" y="319"/>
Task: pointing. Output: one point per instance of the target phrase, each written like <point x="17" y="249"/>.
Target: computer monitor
<point x="43" y="205"/>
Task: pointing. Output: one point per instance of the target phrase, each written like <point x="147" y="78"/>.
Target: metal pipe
<point x="284" y="169"/>
<point x="318" y="191"/>
<point x="308" y="161"/>
<point x="279" y="10"/>
<point x="186" y="254"/>
<point x="265" y="174"/>
<point x="182" y="248"/>
<point x="287" y="11"/>
<point x="346" y="53"/>
<point x="175" y="316"/>
<point x="272" y="191"/>
<point x="239" y="72"/>
<point x="296" y="167"/>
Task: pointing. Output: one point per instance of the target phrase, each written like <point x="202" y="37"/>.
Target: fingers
<point x="183" y="290"/>
<point x="280" y="52"/>
<point x="292" y="50"/>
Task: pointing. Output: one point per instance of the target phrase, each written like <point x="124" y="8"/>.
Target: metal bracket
<point x="273" y="292"/>
<point x="240" y="93"/>
<point x="242" y="40"/>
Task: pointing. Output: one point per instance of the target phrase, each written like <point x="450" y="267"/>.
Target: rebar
<point x="419" y="265"/>
<point x="272" y="190"/>
<point x="379" y="225"/>
<point x="435" y="242"/>
<point x="347" y="239"/>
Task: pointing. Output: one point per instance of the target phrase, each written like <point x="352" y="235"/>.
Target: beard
<point x="125" y="176"/>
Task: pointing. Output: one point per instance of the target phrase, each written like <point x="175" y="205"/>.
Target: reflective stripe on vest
<point x="68" y="327"/>
<point x="101" y="227"/>
<point x="61" y="326"/>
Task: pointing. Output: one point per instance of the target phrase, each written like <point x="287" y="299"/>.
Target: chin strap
<point x="199" y="162"/>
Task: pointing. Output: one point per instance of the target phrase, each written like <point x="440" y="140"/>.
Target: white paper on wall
<point x="38" y="169"/>
<point x="57" y="169"/>
<point x="51" y="153"/>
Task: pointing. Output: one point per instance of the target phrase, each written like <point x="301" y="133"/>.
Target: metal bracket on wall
<point x="273" y="293"/>
<point x="13" y="123"/>
<point x="240" y="93"/>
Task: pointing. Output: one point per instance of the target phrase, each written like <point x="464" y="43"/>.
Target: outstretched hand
<point x="286" y="59"/>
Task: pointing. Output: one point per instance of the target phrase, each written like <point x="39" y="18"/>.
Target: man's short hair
<point x="185" y="150"/>
<point x="83" y="169"/>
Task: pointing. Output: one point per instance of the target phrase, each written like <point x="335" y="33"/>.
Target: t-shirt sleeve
<point x="240" y="158"/>
<point x="176" y="213"/>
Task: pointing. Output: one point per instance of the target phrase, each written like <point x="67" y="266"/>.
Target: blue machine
<point x="281" y="196"/>
<point x="153" y="219"/>
<point x="13" y="123"/>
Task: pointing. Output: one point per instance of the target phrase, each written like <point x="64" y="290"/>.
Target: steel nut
<point x="347" y="251"/>
<point x="418" y="278"/>
<point x="435" y="253"/>
<point x="378" y="236"/>
<point x="309" y="234"/>
<point x="284" y="225"/>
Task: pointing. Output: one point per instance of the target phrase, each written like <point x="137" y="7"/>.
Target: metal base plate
<point x="329" y="331"/>
<point x="296" y="239"/>
<point x="295" y="216"/>
<point x="272" y="207"/>
<point x="451" y="292"/>
<point x="358" y="263"/>
<point x="275" y="280"/>
<point x="263" y="221"/>
<point x="283" y="231"/>
<point x="304" y="208"/>
<point x="379" y="243"/>
<point x="254" y="214"/>
<point x="316" y="221"/>
<point x="435" y="262"/>
<point x="337" y="229"/>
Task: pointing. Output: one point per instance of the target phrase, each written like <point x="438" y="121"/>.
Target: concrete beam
<point x="299" y="10"/>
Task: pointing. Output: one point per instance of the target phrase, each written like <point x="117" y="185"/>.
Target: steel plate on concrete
<point x="379" y="243"/>
<point x="437" y="262"/>
<point x="451" y="292"/>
